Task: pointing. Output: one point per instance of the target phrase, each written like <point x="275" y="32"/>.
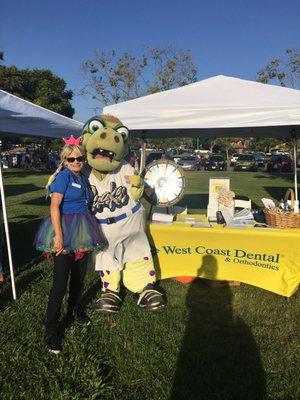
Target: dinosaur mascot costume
<point x="117" y="189"/>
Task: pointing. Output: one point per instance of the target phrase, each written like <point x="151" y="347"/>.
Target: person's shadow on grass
<point x="219" y="359"/>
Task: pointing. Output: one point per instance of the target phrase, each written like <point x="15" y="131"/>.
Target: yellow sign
<point x="266" y="258"/>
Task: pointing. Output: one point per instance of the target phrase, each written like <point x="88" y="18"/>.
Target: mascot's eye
<point x="95" y="125"/>
<point x="124" y="132"/>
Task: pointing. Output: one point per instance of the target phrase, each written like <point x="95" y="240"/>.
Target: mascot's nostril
<point x="117" y="139"/>
<point x="103" y="135"/>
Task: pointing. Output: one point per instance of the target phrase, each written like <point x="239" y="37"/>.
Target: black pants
<point x="65" y="265"/>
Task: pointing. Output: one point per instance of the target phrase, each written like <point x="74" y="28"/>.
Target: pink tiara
<point x="72" y="140"/>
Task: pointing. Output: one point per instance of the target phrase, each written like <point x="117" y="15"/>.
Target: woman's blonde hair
<point x="68" y="149"/>
<point x="65" y="152"/>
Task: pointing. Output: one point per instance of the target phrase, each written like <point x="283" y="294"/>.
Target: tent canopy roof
<point x="20" y="117"/>
<point x="217" y="106"/>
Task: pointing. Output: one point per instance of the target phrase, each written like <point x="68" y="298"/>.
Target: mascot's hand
<point x="136" y="186"/>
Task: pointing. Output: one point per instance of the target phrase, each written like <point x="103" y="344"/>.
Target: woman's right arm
<point x="56" y="200"/>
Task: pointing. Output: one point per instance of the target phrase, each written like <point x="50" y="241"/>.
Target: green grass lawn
<point x="208" y="343"/>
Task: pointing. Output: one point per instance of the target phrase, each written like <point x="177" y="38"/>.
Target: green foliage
<point x="167" y="143"/>
<point x="39" y="86"/>
<point x="265" y="144"/>
<point x="285" y="71"/>
<point x="112" y="77"/>
<point x="224" y="144"/>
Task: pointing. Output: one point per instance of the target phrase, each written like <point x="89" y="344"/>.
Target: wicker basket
<point x="276" y="218"/>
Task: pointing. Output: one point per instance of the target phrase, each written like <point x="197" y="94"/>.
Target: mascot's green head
<point x="105" y="141"/>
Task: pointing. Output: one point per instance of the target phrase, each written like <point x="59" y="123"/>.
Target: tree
<point x="40" y="86"/>
<point x="224" y="144"/>
<point x="284" y="70"/>
<point x="267" y="144"/>
<point x="170" y="143"/>
<point x="111" y="77"/>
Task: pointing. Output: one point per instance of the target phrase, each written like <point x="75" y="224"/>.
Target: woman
<point x="70" y="232"/>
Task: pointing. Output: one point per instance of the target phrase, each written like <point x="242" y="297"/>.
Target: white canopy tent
<point x="218" y="106"/>
<point x="20" y="117"/>
<point x="215" y="107"/>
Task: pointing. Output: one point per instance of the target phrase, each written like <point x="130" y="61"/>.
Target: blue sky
<point x="233" y="38"/>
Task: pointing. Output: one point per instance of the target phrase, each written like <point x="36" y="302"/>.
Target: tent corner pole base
<point x="11" y="267"/>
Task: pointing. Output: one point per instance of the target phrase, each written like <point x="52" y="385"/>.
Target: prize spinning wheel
<point x="164" y="183"/>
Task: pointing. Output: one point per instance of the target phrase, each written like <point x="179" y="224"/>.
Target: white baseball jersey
<point x="126" y="237"/>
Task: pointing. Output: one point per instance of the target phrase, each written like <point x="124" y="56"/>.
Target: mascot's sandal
<point x="117" y="189"/>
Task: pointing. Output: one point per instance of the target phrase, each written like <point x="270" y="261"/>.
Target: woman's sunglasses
<point x="72" y="159"/>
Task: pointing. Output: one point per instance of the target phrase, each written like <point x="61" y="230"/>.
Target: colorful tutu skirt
<point x="81" y="234"/>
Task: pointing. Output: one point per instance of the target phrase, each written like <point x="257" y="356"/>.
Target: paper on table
<point x="244" y="214"/>
<point x="227" y="215"/>
<point x="268" y="203"/>
<point x="160" y="217"/>
<point x="240" y="223"/>
<point x="187" y="218"/>
<point x="201" y="224"/>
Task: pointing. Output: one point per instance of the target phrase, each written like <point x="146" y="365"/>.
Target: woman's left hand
<point x="58" y="245"/>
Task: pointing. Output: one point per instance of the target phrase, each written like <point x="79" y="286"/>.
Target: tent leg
<point x="295" y="168"/>
<point x="12" y="276"/>
<point x="143" y="156"/>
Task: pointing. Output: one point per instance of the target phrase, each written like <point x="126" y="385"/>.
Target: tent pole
<point x="143" y="155"/>
<point x="295" y="168"/>
<point x="11" y="267"/>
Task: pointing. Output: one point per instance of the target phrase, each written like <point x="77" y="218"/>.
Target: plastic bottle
<point x="281" y="204"/>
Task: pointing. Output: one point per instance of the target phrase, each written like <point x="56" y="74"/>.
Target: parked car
<point x="280" y="163"/>
<point x="189" y="163"/>
<point x="260" y="158"/>
<point x="246" y="162"/>
<point x="176" y="158"/>
<point x="233" y="159"/>
<point x="215" y="162"/>
<point x="156" y="155"/>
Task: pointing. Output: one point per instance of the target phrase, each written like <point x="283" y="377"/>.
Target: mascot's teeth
<point x="104" y="153"/>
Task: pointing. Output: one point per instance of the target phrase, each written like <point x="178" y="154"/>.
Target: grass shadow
<point x="194" y="201"/>
<point x="15" y="190"/>
<point x="273" y="175"/>
<point x="27" y="216"/>
<point x="276" y="193"/>
<point x="40" y="201"/>
<point x="21" y="287"/>
<point x="91" y="293"/>
<point x="22" y="237"/>
<point x="21" y="173"/>
<point x="219" y="358"/>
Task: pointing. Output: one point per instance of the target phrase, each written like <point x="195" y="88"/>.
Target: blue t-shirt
<point x="75" y="190"/>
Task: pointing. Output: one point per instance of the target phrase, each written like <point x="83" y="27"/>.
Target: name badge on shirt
<point x="76" y="185"/>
